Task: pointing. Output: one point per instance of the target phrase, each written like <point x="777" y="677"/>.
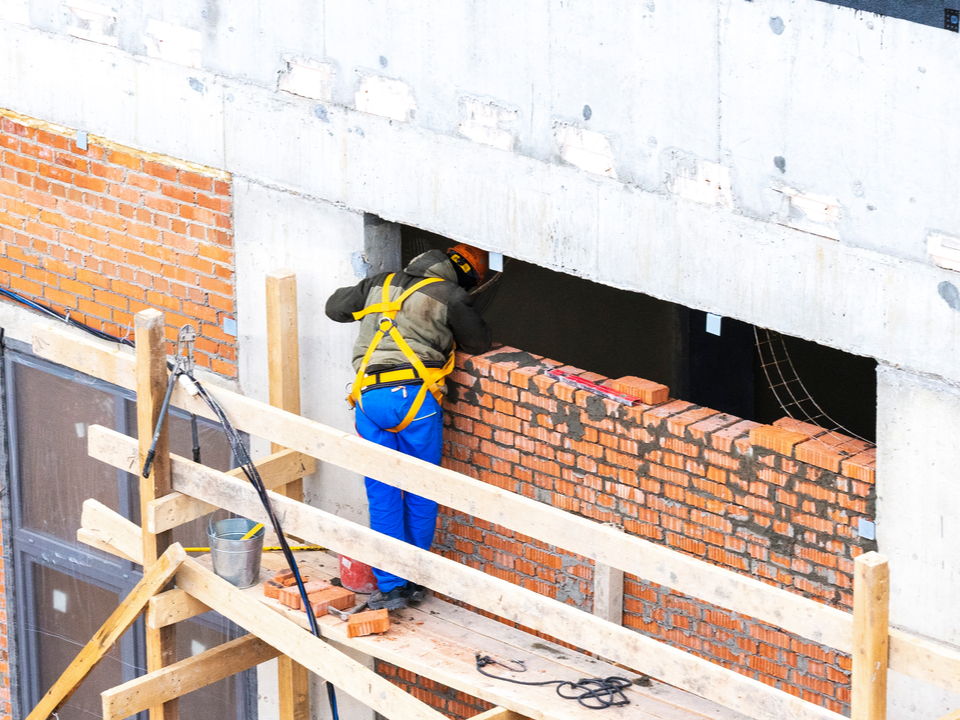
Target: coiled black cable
<point x="593" y="693"/>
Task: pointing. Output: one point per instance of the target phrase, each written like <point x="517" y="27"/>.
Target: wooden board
<point x="590" y="539"/>
<point x="110" y="531"/>
<point x="297" y="643"/>
<point x="438" y="640"/>
<point x="172" y="606"/>
<point x="152" y="375"/>
<point x="276" y="470"/>
<point x="185" y="676"/>
<point x="670" y="664"/>
<point x="871" y="606"/>
<point x="283" y="363"/>
<point x="118" y="622"/>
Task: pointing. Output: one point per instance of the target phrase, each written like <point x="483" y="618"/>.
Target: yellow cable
<point x="253" y="531"/>
<point x="273" y="548"/>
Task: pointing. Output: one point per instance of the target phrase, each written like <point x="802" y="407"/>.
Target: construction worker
<point x="409" y="322"/>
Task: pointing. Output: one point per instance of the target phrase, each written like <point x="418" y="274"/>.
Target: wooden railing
<point x="863" y="634"/>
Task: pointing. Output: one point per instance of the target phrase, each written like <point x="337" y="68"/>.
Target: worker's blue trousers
<point x="401" y="515"/>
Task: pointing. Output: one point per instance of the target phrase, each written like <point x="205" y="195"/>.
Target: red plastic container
<point x="357" y="576"/>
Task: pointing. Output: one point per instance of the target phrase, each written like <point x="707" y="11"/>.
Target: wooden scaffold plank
<point x="185" y="676"/>
<point x="299" y="644"/>
<point x="153" y="580"/>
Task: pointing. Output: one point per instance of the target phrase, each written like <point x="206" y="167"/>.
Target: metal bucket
<point x="236" y="561"/>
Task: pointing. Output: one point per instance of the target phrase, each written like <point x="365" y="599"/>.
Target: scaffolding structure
<point x="179" y="491"/>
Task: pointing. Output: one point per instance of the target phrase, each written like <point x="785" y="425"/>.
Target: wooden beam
<point x="499" y="713"/>
<point x="871" y="604"/>
<point x="121" y="619"/>
<point x="296" y="642"/>
<point x="172" y="606"/>
<point x="185" y="676"/>
<point x="672" y="665"/>
<point x="926" y="660"/>
<point x="608" y="593"/>
<point x="740" y="593"/>
<point x="283" y="364"/>
<point x="955" y="715"/>
<point x="281" y="468"/>
<point x="109" y="530"/>
<point x="151" y="352"/>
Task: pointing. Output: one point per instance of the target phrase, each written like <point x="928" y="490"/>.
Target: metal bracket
<point x="185" y="340"/>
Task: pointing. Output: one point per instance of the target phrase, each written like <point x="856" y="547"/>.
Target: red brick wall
<point x="450" y="702"/>
<point x="106" y="232"/>
<point x="768" y="501"/>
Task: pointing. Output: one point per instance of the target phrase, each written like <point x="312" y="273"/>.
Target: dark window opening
<point x="618" y="332"/>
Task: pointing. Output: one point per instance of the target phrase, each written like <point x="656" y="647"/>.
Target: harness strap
<point x="433" y="378"/>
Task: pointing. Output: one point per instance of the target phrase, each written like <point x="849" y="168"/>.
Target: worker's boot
<point x="414" y="594"/>
<point x="392" y="600"/>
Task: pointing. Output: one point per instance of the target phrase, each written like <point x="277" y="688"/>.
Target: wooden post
<point x="283" y="361"/>
<point x="151" y="388"/>
<point x="871" y="599"/>
<point x="608" y="590"/>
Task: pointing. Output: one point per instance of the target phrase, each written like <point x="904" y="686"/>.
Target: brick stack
<point x="779" y="502"/>
<point x="105" y="232"/>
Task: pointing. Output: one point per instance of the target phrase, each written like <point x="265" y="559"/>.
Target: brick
<point x="335" y="597"/>
<point x="817" y="453"/>
<point x="647" y="391"/>
<point x="862" y="466"/>
<point x="654" y="416"/>
<point x="130" y="161"/>
<point x="165" y="172"/>
<point x="201" y="182"/>
<point x="777" y="439"/>
<point x="368" y="623"/>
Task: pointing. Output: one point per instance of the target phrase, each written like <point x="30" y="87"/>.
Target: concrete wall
<point x="918" y="459"/>
<point x="682" y="197"/>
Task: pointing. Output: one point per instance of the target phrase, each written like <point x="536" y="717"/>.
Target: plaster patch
<point x="308" y="78"/>
<point x="816" y="214"/>
<point x="945" y="250"/>
<point x="92" y="21"/>
<point x="173" y="43"/>
<point x="15" y="11"/>
<point x="386" y="97"/>
<point x="586" y="149"/>
<point x="694" y="179"/>
<point x="487" y="123"/>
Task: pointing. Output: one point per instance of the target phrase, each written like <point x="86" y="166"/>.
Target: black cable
<point x="593" y="693"/>
<point x="194" y="430"/>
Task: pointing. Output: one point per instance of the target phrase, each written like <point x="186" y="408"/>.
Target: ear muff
<point x="471" y="264"/>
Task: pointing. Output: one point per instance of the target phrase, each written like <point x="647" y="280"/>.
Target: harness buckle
<point x="389" y="327"/>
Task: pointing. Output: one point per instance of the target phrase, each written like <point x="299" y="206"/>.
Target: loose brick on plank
<point x="335" y="597"/>
<point x="368" y="623"/>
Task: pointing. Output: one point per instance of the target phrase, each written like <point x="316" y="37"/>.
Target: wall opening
<point x="617" y="333"/>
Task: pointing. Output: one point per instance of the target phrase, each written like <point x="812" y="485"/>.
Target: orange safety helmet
<point x="471" y="264"/>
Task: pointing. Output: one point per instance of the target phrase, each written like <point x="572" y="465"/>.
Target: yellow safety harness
<point x="433" y="378"/>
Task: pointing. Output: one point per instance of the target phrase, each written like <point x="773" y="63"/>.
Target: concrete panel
<point x="274" y="230"/>
<point x="705" y="257"/>
<point x="148" y="104"/>
<point x="918" y="462"/>
<point x="850" y="104"/>
<point x="918" y="457"/>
